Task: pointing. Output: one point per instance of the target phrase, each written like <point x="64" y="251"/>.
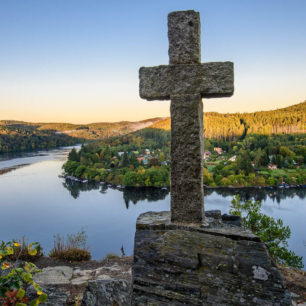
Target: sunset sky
<point x="77" y="61"/>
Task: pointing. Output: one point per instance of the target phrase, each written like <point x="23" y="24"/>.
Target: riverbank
<point x="85" y="181"/>
<point x="9" y="169"/>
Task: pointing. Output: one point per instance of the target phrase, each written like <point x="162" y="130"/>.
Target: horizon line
<point x="162" y="117"/>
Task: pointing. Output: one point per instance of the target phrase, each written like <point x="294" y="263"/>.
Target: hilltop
<point x="91" y="131"/>
<point x="286" y="120"/>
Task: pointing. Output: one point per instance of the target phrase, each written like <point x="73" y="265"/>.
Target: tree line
<point x="18" y="138"/>
<point x="289" y="120"/>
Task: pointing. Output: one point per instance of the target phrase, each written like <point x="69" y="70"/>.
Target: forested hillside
<point x="20" y="137"/>
<point x="226" y="126"/>
<point x="24" y="136"/>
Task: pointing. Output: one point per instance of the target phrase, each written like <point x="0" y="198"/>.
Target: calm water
<point x="36" y="203"/>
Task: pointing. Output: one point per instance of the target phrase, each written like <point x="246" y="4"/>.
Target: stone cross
<point x="186" y="81"/>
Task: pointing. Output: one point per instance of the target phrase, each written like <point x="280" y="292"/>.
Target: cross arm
<point x="210" y="80"/>
<point x="155" y="82"/>
<point x="215" y="79"/>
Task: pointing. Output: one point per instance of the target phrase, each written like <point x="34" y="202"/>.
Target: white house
<point x="233" y="158"/>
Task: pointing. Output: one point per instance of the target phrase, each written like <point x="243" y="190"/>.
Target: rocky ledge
<point x="220" y="263"/>
<point x="87" y="283"/>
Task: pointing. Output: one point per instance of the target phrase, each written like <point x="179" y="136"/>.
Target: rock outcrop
<point x="219" y="264"/>
<point x="108" y="292"/>
<point x="104" y="285"/>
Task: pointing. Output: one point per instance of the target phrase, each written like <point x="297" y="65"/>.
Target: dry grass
<point x="73" y="250"/>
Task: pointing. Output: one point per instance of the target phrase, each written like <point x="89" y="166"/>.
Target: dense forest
<point x="19" y="137"/>
<point x="287" y="120"/>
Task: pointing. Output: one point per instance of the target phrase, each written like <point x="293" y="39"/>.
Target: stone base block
<point x="219" y="264"/>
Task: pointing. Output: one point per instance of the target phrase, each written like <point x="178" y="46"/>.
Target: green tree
<point x="244" y="162"/>
<point x="73" y="155"/>
<point x="270" y="231"/>
<point x="129" y="178"/>
<point x="125" y="160"/>
<point x="79" y="170"/>
<point x="70" y="167"/>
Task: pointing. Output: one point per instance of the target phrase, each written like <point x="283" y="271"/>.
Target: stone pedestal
<point x="219" y="264"/>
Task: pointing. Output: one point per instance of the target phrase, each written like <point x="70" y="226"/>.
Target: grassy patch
<point x="112" y="256"/>
<point x="74" y="249"/>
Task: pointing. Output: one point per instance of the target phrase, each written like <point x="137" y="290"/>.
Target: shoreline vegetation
<point x="142" y="159"/>
<point x="12" y="168"/>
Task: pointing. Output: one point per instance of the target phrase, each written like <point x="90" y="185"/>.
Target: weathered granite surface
<point x="187" y="194"/>
<point x="210" y="80"/>
<point x="56" y="297"/>
<point x="60" y="275"/>
<point x="217" y="264"/>
<point x="107" y="293"/>
<point x="66" y="285"/>
<point x="184" y="34"/>
<point x="186" y="81"/>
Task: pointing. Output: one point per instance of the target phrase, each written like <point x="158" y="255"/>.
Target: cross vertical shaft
<point x="187" y="196"/>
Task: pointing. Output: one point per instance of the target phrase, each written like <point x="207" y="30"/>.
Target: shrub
<point x="74" y="249"/>
<point x="270" y="231"/>
<point x="71" y="254"/>
<point x="22" y="251"/>
<point x="20" y="274"/>
<point x="70" y="167"/>
<point x="79" y="170"/>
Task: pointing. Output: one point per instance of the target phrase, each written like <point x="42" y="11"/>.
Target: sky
<point x="77" y="60"/>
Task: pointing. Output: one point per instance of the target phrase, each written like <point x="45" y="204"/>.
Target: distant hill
<point x="23" y="136"/>
<point x="286" y="120"/>
<point x="91" y="131"/>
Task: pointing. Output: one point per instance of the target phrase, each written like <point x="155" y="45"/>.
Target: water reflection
<point x="134" y="195"/>
<point x="130" y="195"/>
<point x="75" y="188"/>
<point x="259" y="194"/>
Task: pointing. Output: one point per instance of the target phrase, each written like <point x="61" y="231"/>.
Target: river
<point x="36" y="203"/>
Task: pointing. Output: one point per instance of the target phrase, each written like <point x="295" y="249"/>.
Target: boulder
<point x="60" y="275"/>
<point x="107" y="292"/>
